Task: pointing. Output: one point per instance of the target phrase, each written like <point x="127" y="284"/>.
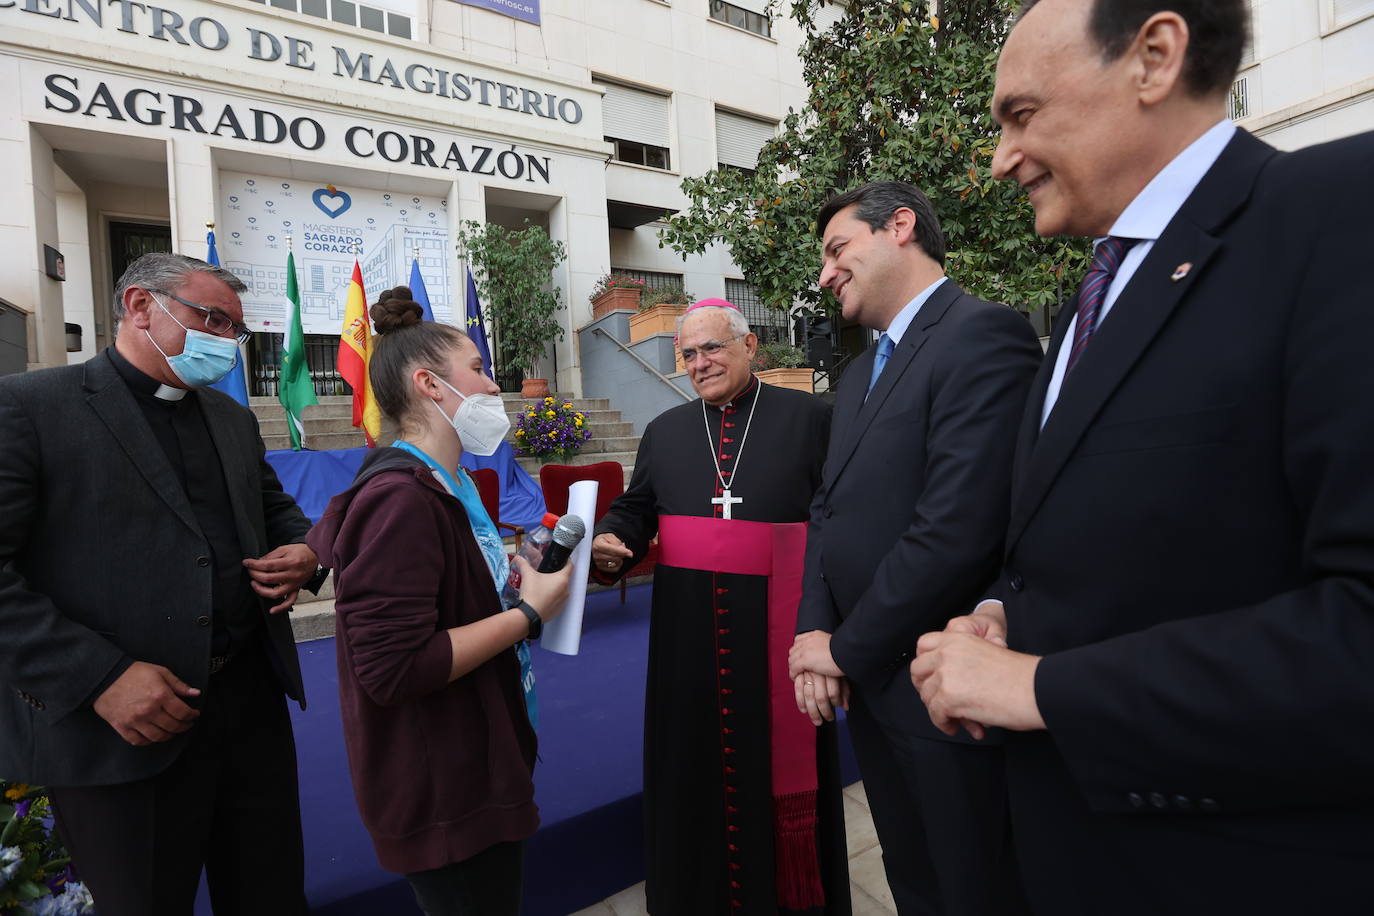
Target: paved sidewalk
<point x="867" y="884"/>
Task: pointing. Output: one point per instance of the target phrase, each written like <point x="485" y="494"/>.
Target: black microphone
<point x="569" y="531"/>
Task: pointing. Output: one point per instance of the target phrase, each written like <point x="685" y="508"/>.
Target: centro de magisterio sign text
<point x="209" y="34"/>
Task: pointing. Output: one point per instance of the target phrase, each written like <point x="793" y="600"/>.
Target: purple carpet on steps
<point x="587" y="783"/>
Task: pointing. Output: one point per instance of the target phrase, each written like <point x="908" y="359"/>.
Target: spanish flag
<point x="355" y="351"/>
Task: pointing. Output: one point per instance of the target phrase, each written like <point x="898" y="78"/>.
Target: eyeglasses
<point x="708" y="349"/>
<point x="216" y="322"/>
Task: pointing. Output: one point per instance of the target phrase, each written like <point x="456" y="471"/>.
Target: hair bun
<point x="396" y="308"/>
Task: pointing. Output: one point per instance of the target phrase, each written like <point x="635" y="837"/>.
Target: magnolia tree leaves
<point x="898" y="91"/>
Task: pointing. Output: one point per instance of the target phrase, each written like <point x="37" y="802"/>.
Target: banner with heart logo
<point x="329" y="226"/>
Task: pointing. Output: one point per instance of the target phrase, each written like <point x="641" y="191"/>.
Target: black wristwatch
<point x="536" y="622"/>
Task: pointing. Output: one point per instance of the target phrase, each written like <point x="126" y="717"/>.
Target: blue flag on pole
<point x="474" y="326"/>
<point x="417" y="289"/>
<point x="235" y="383"/>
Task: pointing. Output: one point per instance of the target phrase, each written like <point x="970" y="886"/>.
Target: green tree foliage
<point x="513" y="270"/>
<point x="900" y="89"/>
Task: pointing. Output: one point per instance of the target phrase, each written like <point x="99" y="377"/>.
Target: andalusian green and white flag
<point x="295" y="389"/>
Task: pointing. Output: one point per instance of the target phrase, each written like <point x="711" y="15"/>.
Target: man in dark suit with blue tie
<point x="1188" y="583"/>
<point x="906" y="530"/>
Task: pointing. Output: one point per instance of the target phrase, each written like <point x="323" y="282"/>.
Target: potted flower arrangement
<point x="35" y="871"/>
<point x="615" y="291"/>
<point x="659" y="310"/>
<point x="550" y="429"/>
<point x="783" y="365"/>
<point x="513" y="277"/>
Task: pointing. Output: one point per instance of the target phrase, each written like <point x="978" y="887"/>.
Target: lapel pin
<point x="1181" y="271"/>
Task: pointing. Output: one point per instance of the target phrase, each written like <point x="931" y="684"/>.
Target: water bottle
<point x="535" y="545"/>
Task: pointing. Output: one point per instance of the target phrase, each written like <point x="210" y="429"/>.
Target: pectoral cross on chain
<point x="724" y="500"/>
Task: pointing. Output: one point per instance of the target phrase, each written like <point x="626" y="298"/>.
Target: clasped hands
<point x="819" y="683"/>
<point x="965" y="674"/>
<point x="968" y="678"/>
<point x="279" y="575"/>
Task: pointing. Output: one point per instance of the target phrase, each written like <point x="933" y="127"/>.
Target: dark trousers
<point x="229" y="804"/>
<point x="488" y="884"/>
<point x="941" y="815"/>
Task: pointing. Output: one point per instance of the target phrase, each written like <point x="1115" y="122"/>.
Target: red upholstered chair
<point x="489" y="488"/>
<point x="555" y="479"/>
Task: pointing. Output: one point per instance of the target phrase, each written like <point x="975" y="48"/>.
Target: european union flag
<point x="474" y="326"/>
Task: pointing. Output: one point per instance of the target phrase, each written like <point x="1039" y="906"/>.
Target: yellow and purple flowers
<point x="550" y="429"/>
<point x="36" y="877"/>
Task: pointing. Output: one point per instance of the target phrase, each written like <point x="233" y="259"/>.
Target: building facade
<point x="1308" y="75"/>
<point x="338" y="129"/>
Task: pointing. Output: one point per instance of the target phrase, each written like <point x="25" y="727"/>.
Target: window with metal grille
<point x="321" y="355"/>
<point x="652" y="278"/>
<point x="1238" y="102"/>
<point x="770" y="325"/>
<point x="349" y="13"/>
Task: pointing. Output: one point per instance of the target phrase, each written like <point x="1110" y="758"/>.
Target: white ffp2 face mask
<point x="480" y="421"/>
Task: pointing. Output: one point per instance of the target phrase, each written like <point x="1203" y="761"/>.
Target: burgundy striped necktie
<point x="1106" y="261"/>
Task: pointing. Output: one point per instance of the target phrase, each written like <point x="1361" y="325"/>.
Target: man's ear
<point x="138" y="307"/>
<point x="751" y="344"/>
<point x="1158" y="55"/>
<point x="902" y="223"/>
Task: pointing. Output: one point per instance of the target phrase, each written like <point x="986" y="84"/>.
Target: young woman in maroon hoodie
<point x="439" y="742"/>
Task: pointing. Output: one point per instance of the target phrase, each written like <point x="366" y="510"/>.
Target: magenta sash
<point x="777" y="551"/>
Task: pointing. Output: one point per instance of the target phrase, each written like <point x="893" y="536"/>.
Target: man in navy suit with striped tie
<point x="906" y="530"/>
<point x="1188" y="583"/>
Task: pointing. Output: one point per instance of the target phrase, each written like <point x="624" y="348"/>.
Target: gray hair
<point x="738" y="325"/>
<point x="162" y="270"/>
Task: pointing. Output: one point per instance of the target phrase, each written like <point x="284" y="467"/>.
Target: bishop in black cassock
<point x="721" y="838"/>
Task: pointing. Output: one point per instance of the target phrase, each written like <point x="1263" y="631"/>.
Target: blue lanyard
<point x="489" y="541"/>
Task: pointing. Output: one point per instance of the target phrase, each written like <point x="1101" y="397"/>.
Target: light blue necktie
<point x="879" y="361"/>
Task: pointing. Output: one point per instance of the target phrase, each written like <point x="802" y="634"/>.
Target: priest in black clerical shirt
<point x="147" y="554"/>
<point x="742" y="795"/>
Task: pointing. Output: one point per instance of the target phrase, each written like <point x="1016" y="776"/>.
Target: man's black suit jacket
<point x="1192" y="548"/>
<point x="907" y="526"/>
<point x="101" y="559"/>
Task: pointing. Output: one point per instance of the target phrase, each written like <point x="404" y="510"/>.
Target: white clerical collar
<point x="1154" y="207"/>
<point x="897" y="327"/>
<point x="168" y="393"/>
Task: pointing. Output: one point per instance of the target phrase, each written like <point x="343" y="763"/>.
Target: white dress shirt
<point x="1145" y="219"/>
<point x="899" y="324"/>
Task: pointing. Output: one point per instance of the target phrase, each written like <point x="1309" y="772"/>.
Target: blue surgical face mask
<point x="204" y="358"/>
